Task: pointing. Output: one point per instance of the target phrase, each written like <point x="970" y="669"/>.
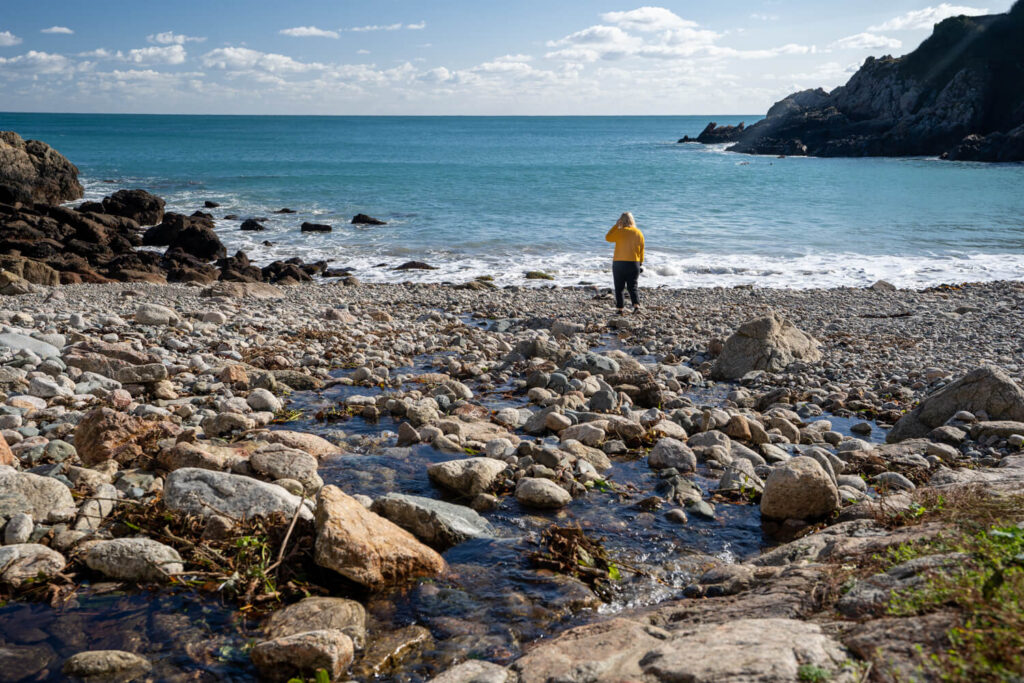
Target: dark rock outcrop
<point x="142" y="207"/>
<point x="32" y="171"/>
<point x="192" y="234"/>
<point x="415" y="265"/>
<point x="959" y="95"/>
<point x="251" y="225"/>
<point x="315" y="227"/>
<point x="363" y="219"/>
<point x="715" y="134"/>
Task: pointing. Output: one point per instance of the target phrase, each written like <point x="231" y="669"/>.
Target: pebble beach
<point x="415" y="449"/>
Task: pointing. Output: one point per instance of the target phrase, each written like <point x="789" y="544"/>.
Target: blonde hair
<point x="626" y="221"/>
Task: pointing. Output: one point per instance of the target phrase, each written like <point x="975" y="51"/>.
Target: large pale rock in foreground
<point x="44" y="499"/>
<point x="435" y="522"/>
<point x="32" y="171"/>
<point x="748" y="650"/>
<point x="202" y="492"/>
<point x="133" y="559"/>
<point x="366" y="548"/>
<point x="770" y="343"/>
<point x="317" y="614"/>
<point x="799" y="489"/>
<point x="986" y="389"/>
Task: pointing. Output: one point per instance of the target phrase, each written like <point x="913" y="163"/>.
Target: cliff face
<point x="960" y="94"/>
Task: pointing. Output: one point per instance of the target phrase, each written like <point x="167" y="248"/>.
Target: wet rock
<point x="770" y="343"/>
<point x="475" y="671"/>
<point x="316" y="446"/>
<point x="468" y="476"/>
<point x="23" y="561"/>
<point x="133" y="559"/>
<point x="436" y="523"/>
<point x="314" y="227"/>
<point x="541" y="493"/>
<point x="141" y="206"/>
<point x="366" y="548"/>
<point x="415" y="265"/>
<point x="668" y="452"/>
<point x="986" y="389"/>
<point x="304" y="653"/>
<point x="318" y="614"/>
<point x="205" y="493"/>
<point x="363" y="219"/>
<point x="799" y="489"/>
<point x="387" y="651"/>
<point x="106" y="665"/>
<point x="44" y="499"/>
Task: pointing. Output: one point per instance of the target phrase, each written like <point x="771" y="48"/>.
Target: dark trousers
<point x="625" y="274"/>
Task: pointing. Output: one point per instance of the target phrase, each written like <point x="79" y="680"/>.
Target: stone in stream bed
<point x="320" y="613"/>
<point x="435" y="522"/>
<point x="304" y="653"/>
<point x="280" y="462"/>
<point x="316" y="446"/>
<point x="468" y="476"/>
<point x="133" y="559"/>
<point x="24" y="561"/>
<point x="541" y="493"/>
<point x="799" y="489"/>
<point x="366" y="548"/>
<point x="669" y="452"/>
<point x="106" y="665"/>
<point x="474" y="671"/>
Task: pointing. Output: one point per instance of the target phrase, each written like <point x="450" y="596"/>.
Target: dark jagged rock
<point x="237" y="268"/>
<point x="285" y="210"/>
<point x="363" y="219"/>
<point x="193" y="234"/>
<point x="715" y="134"/>
<point x="282" y="272"/>
<point x="210" y="205"/>
<point x="251" y="225"/>
<point x="315" y="227"/>
<point x="959" y="95"/>
<point x="141" y="206"/>
<point x="415" y="265"/>
<point x="32" y="171"/>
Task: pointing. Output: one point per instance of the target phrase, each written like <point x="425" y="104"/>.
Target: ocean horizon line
<point x="383" y="116"/>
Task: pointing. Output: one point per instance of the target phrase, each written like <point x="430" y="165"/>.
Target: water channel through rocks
<point x="489" y="605"/>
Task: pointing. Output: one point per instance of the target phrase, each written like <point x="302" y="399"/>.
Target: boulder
<point x="106" y="665"/>
<point x="133" y="559"/>
<point x="769" y="343"/>
<point x="17" y="342"/>
<point x="986" y="389"/>
<point x="107" y="434"/>
<point x="302" y="654"/>
<point x="281" y="462"/>
<point x="205" y="493"/>
<point x="317" y="614"/>
<point x="44" y="499"/>
<point x="251" y="225"/>
<point x="437" y="523"/>
<point x="32" y="171"/>
<point x="316" y="446"/>
<point x="669" y="452"/>
<point x="363" y="219"/>
<point x="800" y="488"/>
<point x="314" y="227"/>
<point x="155" y="314"/>
<point x="366" y="548"/>
<point x="142" y="207"/>
<point x="467" y="477"/>
<point x="24" y="561"/>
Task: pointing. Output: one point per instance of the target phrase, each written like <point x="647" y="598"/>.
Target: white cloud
<point x="33" y="62"/>
<point x="416" y="27"/>
<point x="648" y="19"/>
<point x="514" y="58"/>
<point x="308" y="32"/>
<point x="866" y="41"/>
<point x="927" y="17"/>
<point x="246" y="59"/>
<point x="362" y="52"/>
<point x="58" y="29"/>
<point x="172" y="54"/>
<point x="171" y="38"/>
<point x="375" y="27"/>
<point x="7" y="39"/>
<point x="764" y="17"/>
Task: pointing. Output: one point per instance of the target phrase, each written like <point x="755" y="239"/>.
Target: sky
<point x="444" y="57"/>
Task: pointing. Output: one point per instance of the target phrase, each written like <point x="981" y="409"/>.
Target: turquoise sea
<point x="503" y="195"/>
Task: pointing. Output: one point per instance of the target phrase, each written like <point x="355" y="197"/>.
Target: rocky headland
<point x="959" y="95"/>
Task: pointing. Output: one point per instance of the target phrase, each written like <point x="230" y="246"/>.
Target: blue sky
<point x="445" y="56"/>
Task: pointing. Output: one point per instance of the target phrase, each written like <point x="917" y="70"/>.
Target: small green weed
<point x="812" y="673"/>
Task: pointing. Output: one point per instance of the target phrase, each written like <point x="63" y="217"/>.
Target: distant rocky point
<point x="959" y="95"/>
<point x="714" y="134"/>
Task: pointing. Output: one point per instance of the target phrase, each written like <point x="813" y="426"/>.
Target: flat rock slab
<point x="435" y="522"/>
<point x="202" y="492"/>
<point x="17" y="342"/>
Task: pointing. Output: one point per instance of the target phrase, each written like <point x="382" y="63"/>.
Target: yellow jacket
<point x="629" y="244"/>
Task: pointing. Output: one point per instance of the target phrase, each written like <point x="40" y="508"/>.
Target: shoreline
<point x="167" y="384"/>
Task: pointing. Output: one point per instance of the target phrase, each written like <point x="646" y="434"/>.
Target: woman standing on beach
<point x="628" y="258"/>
